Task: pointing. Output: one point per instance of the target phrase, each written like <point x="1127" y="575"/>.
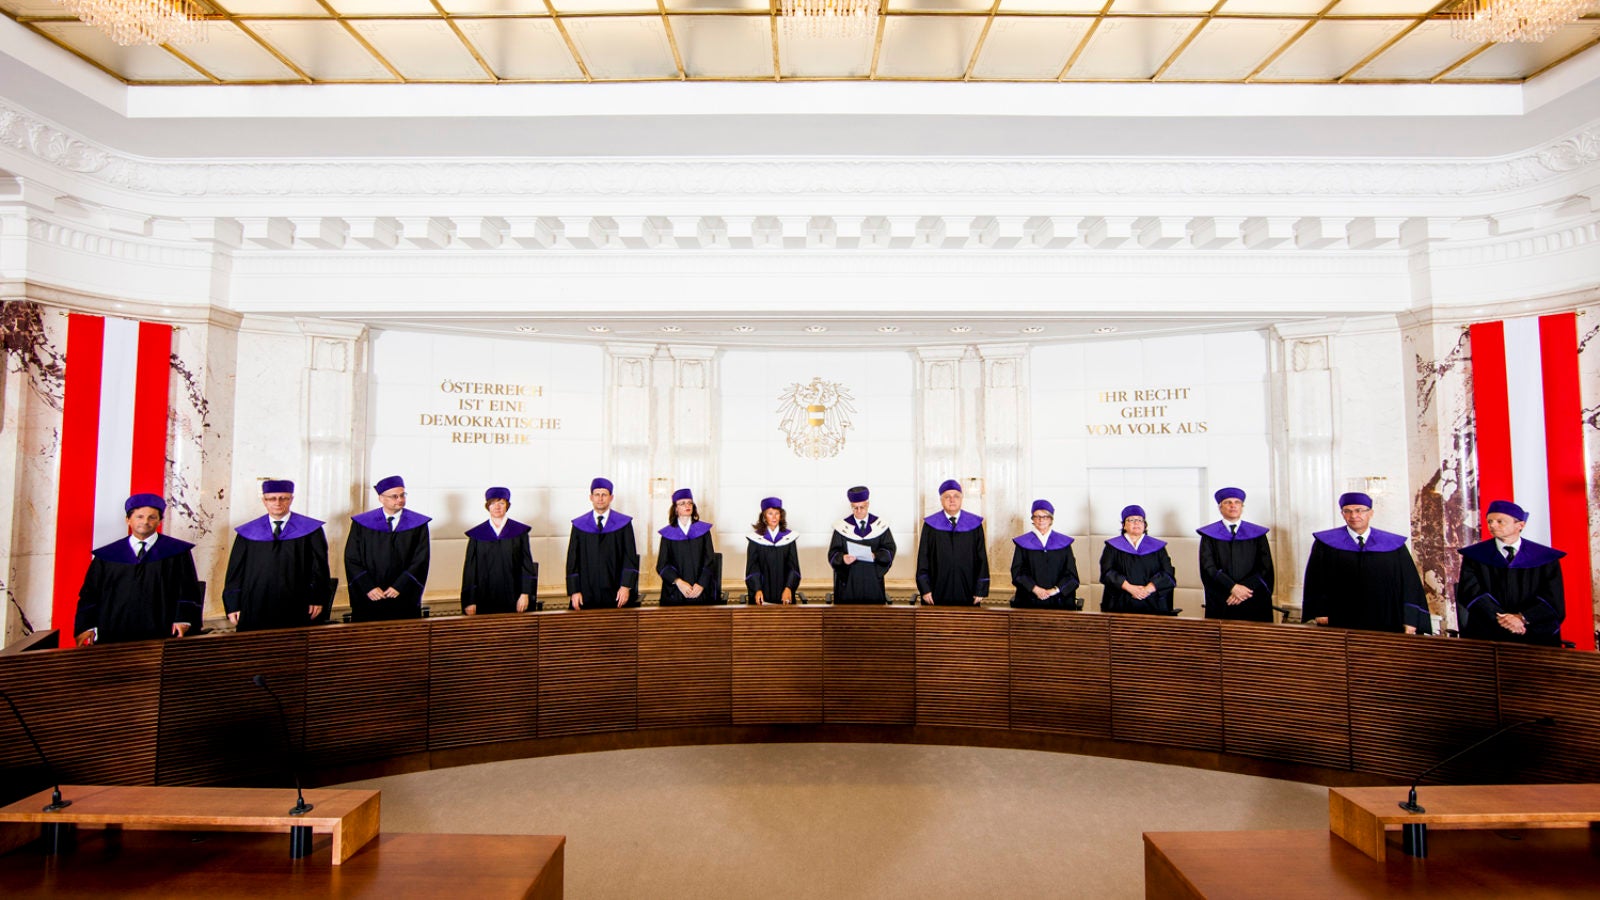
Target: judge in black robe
<point x="386" y="557"/>
<point x="1362" y="577"/>
<point x="139" y="587"/>
<point x="1235" y="563"/>
<point x="1136" y="570"/>
<point x="499" y="574"/>
<point x="772" y="562"/>
<point x="1510" y="588"/>
<point x="1042" y="566"/>
<point x="952" y="555"/>
<point x="686" y="559"/>
<point x="278" y="568"/>
<point x="602" y="558"/>
<point x="860" y="579"/>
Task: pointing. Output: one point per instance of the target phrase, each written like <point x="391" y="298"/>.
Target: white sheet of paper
<point x="859" y="551"/>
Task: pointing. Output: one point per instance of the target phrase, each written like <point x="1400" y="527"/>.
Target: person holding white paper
<point x="860" y="550"/>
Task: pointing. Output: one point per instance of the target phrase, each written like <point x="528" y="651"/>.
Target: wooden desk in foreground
<point x="349" y="817"/>
<point x="211" y="865"/>
<point x="1362" y="816"/>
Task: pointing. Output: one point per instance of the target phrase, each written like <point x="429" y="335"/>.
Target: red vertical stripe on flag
<point x="152" y="387"/>
<point x="1569" y="505"/>
<point x="80" y="429"/>
<point x="1490" y="406"/>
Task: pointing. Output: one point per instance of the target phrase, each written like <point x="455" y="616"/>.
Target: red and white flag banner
<point x="113" y="441"/>
<point x="1525" y="394"/>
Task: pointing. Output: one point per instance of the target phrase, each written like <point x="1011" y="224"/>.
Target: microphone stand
<point x="299" y="835"/>
<point x="57" y="834"/>
<point x="1415" y="837"/>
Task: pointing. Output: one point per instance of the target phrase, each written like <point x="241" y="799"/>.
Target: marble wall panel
<point x="30" y="428"/>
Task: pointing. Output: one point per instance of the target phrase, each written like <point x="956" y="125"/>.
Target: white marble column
<point x="200" y="442"/>
<point x="335" y="427"/>
<point x="1302" y="445"/>
<point x="628" y="458"/>
<point x="945" y="423"/>
<point x="1005" y="452"/>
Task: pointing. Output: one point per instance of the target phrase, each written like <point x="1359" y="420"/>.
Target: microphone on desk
<point x="1410" y="805"/>
<point x="56" y="803"/>
<point x="301" y="807"/>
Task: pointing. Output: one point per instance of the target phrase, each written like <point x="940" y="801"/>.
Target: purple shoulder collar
<point x="674" y="533"/>
<point x="1378" y="541"/>
<point x="261" y="529"/>
<point x="615" y="521"/>
<point x="1146" y="547"/>
<point x="964" y="522"/>
<point x="1529" y="556"/>
<point x="118" y="551"/>
<point x="376" y="520"/>
<point x="1248" y="531"/>
<point x="1029" y="540"/>
<point x="483" y="531"/>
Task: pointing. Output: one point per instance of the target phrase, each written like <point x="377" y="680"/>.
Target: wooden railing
<point x="1335" y="705"/>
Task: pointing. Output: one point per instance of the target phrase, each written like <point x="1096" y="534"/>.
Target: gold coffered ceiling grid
<point x="567" y="41"/>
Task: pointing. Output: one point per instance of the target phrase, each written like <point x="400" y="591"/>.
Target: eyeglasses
<point x="1043" y="516"/>
<point x="1134" y="519"/>
<point x="399" y="496"/>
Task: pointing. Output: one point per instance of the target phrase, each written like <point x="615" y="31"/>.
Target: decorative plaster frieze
<point x="37" y="138"/>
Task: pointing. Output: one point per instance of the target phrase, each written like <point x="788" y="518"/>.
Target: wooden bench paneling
<point x="588" y="672"/>
<point x="1284" y="694"/>
<point x="1166" y="681"/>
<point x="685" y="667"/>
<point x="366" y="691"/>
<point x="1415" y="700"/>
<point x="869" y="666"/>
<point x="1060" y="673"/>
<point x="777" y="665"/>
<point x="217" y="727"/>
<point x="483" y="680"/>
<point x="963" y="667"/>
<point x="1562" y="684"/>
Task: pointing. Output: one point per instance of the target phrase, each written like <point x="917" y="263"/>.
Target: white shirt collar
<point x="1232" y="523"/>
<point x="284" y="520"/>
<point x="1359" y="537"/>
<point x="1044" y="537"/>
<point x="1134" y="542"/>
<point x="497" y="528"/>
<point x="1502" y="545"/>
<point x="133" y="543"/>
<point x="684" y="522"/>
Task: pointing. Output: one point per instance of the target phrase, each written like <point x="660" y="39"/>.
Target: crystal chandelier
<point x="130" y="22"/>
<point x="1505" y="21"/>
<point x="829" y="18"/>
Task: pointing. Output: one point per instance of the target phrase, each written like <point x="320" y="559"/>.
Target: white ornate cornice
<point x="42" y="141"/>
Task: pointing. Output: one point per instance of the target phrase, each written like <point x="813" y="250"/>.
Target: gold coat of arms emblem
<point x="814" y="417"/>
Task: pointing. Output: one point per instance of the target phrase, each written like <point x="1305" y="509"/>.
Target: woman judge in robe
<point x="1042" y="567"/>
<point x="1135" y="569"/>
<point x="686" y="560"/>
<point x="499" y="575"/>
<point x="772" y="563"/>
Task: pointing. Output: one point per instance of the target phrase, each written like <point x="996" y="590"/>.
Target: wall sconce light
<point x="660" y="487"/>
<point x="1376" y="485"/>
<point x="973" y="486"/>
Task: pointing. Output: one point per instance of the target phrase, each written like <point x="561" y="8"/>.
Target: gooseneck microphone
<point x="1410" y="805"/>
<point x="56" y="803"/>
<point x="301" y="807"/>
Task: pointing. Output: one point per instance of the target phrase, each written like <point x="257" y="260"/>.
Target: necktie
<point x="391" y="523"/>
<point x="1233" y="532"/>
<point x="861" y="527"/>
<point x="277" y="529"/>
<point x="952" y="523"/>
<point x="599" y="523"/>
<point x="1511" y="553"/>
<point x="141" y="551"/>
<point x="1361" y="543"/>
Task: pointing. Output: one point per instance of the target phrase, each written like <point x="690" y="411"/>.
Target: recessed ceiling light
<point x="672" y="329"/>
<point x="600" y="329"/>
<point x="1105" y="329"/>
<point x="527" y="329"/>
<point x="888" y="329"/>
<point x="960" y="329"/>
<point x="744" y="329"/>
<point x="816" y="329"/>
<point x="1033" y="329"/>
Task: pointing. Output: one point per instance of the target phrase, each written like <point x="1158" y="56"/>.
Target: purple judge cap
<point x="1510" y="509"/>
<point x="858" y="493"/>
<point x="1229" y="493"/>
<point x="771" y="503"/>
<point x="385" y="485"/>
<point x="497" y="493"/>
<point x="601" y="484"/>
<point x="277" y="486"/>
<point x="139" y="501"/>
<point x="950" y="484"/>
<point x="1044" y="505"/>
<point x="682" y="494"/>
<point x="1129" y="511"/>
<point x="1355" y="498"/>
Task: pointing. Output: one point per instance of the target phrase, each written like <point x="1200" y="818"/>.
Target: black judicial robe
<point x="273" y="582"/>
<point x="692" y="558"/>
<point x="598" y="564"/>
<point x="499" y="568"/>
<point x="1530" y="586"/>
<point x="1228" y="558"/>
<point x="1121" y="564"/>
<point x="1375" y="587"/>
<point x="770" y="565"/>
<point x="1046" y="565"/>
<point x="133" y="600"/>
<point x="375" y="557"/>
<point x="862" y="580"/>
<point x="953" y="562"/>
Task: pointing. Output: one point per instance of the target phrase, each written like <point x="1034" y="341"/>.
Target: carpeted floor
<point x="844" y="820"/>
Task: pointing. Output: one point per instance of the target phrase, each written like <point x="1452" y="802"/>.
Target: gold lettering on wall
<point x="489" y="413"/>
<point x="1146" y="411"/>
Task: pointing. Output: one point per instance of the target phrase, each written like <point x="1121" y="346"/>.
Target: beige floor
<point x="844" y="820"/>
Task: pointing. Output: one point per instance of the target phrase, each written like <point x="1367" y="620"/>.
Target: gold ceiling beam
<point x="351" y="30"/>
<point x="567" y="38"/>
<point x="983" y="36"/>
<point x="1193" y="34"/>
<point x="1367" y="60"/>
<point x="1293" y="39"/>
<point x="672" y="39"/>
<point x="1083" y="42"/>
<point x="462" y="37"/>
<point x="877" y="39"/>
